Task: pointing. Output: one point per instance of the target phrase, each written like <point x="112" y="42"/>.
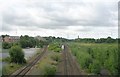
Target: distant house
<point x="40" y="38"/>
<point x="11" y="38"/>
<point x="6" y="39"/>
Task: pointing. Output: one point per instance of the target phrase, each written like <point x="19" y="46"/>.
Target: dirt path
<point x="68" y="65"/>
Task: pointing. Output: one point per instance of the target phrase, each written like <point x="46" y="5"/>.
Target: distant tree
<point x="16" y="54"/>
<point x="23" y="43"/>
<point x="6" y="45"/>
<point x="32" y="42"/>
<point x="4" y="35"/>
<point x="15" y="43"/>
<point x="109" y="40"/>
<point x="26" y="41"/>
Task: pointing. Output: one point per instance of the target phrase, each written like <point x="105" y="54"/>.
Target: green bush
<point x="55" y="47"/>
<point x="95" y="67"/>
<point x="16" y="54"/>
<point x="112" y="64"/>
<point x="6" y="45"/>
<point x="56" y="57"/>
<point x="84" y="59"/>
<point x="49" y="70"/>
<point x="93" y="57"/>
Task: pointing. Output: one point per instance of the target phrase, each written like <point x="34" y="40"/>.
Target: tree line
<point x="100" y="40"/>
<point x="15" y="48"/>
<point x="25" y="42"/>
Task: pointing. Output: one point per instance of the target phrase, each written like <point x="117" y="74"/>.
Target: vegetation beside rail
<point x="12" y="65"/>
<point x="56" y="47"/>
<point x="94" y="58"/>
<point x="10" y="68"/>
<point x="47" y="66"/>
<point x="25" y="42"/>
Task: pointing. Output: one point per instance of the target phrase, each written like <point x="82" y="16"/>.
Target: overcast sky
<point x="60" y="18"/>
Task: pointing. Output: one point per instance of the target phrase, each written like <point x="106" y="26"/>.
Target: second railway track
<point x="70" y="66"/>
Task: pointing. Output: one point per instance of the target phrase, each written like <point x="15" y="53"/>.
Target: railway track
<point x="28" y="67"/>
<point x="70" y="66"/>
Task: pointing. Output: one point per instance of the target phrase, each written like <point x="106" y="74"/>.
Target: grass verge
<point x="47" y="65"/>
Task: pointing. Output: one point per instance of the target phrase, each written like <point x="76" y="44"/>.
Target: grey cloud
<point x="6" y="27"/>
<point x="10" y="16"/>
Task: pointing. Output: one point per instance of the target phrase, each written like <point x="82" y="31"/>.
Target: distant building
<point x="6" y="39"/>
<point x="11" y="38"/>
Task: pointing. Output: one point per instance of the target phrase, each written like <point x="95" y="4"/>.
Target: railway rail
<point x="28" y="67"/>
<point x="70" y="66"/>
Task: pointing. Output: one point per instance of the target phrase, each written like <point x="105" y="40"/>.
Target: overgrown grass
<point x="8" y="69"/>
<point x="12" y="67"/>
<point x="96" y="57"/>
<point x="47" y="66"/>
<point x="56" y="47"/>
<point x="7" y="59"/>
<point x="55" y="57"/>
